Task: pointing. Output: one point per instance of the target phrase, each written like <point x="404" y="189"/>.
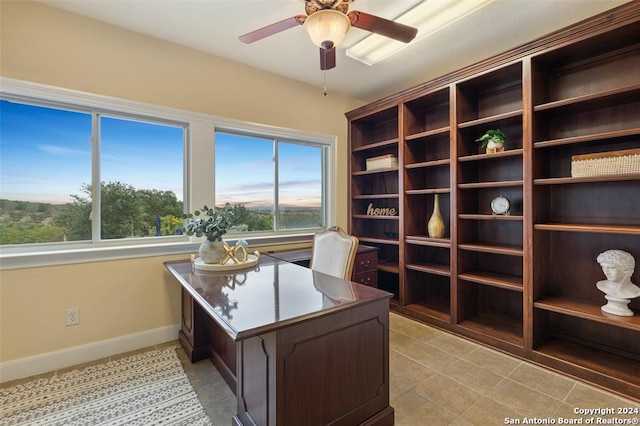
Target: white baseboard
<point x="50" y="361"/>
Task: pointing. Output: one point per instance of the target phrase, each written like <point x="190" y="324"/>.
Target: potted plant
<point x="206" y="222"/>
<point x="492" y="140"/>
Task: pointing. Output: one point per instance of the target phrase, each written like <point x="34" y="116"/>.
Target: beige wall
<point x="116" y="298"/>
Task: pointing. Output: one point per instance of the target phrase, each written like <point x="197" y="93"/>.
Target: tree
<point x="125" y="212"/>
<point x="122" y="211"/>
<point x="170" y="224"/>
<point x="254" y="220"/>
<point x="159" y="204"/>
<point x="21" y="233"/>
<point x="75" y="217"/>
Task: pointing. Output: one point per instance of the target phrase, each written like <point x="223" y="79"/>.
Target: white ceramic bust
<point x="618" y="267"/>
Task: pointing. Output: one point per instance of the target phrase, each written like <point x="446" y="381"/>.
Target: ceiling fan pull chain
<point x="324" y="91"/>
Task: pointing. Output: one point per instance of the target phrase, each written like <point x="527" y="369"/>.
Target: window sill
<point x="98" y="254"/>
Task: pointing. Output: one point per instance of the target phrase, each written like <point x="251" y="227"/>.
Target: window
<point x="50" y="168"/>
<point x="42" y="164"/>
<point x="274" y="185"/>
<point x="85" y="177"/>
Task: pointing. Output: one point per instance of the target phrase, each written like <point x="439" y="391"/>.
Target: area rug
<point x="150" y="388"/>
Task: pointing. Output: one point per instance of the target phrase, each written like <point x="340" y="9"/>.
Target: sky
<point x="45" y="156"/>
<point x="244" y="171"/>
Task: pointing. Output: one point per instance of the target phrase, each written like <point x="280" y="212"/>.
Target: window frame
<point x="199" y="179"/>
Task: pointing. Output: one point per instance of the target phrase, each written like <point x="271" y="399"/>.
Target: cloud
<point x="304" y="193"/>
<point x="9" y="179"/>
<point x="61" y="150"/>
<point x="300" y="183"/>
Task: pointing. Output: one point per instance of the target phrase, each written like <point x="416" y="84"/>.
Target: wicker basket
<point x="606" y="163"/>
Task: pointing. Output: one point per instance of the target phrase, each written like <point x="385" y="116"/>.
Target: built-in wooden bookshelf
<point x="524" y="282"/>
<point x="372" y="136"/>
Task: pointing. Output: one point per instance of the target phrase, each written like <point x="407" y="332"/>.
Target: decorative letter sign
<point x="380" y="211"/>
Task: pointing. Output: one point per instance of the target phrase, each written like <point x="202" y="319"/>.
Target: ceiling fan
<point x="327" y="23"/>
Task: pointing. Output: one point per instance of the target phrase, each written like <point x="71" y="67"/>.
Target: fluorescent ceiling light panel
<point x="429" y="17"/>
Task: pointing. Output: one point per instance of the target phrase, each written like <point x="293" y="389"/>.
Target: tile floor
<point x="439" y="379"/>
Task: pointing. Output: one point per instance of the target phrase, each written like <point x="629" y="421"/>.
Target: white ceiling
<point x="214" y="26"/>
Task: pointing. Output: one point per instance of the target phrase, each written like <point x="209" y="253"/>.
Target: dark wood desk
<point x="298" y="347"/>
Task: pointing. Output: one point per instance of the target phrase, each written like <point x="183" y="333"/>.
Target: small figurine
<point x="618" y="267"/>
<point x="237" y="253"/>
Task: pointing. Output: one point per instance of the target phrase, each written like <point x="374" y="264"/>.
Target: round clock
<point x="500" y="205"/>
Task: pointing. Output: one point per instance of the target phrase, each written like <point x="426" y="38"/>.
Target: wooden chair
<point x="334" y="252"/>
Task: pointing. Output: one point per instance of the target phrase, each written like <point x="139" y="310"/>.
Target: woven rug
<point x="150" y="388"/>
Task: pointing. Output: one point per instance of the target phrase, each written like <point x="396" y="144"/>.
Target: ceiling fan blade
<point x="385" y="27"/>
<point x="327" y="58"/>
<point x="272" y="29"/>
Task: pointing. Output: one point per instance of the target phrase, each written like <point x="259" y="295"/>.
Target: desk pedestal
<point x="328" y="370"/>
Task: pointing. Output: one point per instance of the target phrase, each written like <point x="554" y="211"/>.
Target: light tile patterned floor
<point x="440" y="379"/>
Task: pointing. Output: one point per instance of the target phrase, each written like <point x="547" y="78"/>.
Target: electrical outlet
<point x="73" y="316"/>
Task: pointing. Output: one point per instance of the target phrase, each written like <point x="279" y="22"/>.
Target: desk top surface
<point x="269" y="296"/>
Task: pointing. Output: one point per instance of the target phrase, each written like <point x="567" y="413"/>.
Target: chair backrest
<point x="334" y="252"/>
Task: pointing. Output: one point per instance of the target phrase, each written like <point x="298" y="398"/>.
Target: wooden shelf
<point x="615" y="96"/>
<point x="508" y="282"/>
<point x="388" y="267"/>
<point x="371" y="240"/>
<point x="468" y="216"/>
<point x="428" y="241"/>
<point x="374" y="196"/>
<point x="431" y="268"/>
<point x="586" y="179"/>
<point x="426" y="134"/>
<point x="482" y="248"/>
<point x="425" y="164"/>
<point x="606" y="229"/>
<point x="499" y="184"/>
<point x="431" y="308"/>
<point x="498" y="328"/>
<point x="492" y="119"/>
<point x="374" y="217"/>
<point x="588" y="138"/>
<point x="376" y="145"/>
<point x="504" y="154"/>
<point x="376" y="171"/>
<point x="427" y="191"/>
<point x="607" y="364"/>
<point x="588" y="310"/>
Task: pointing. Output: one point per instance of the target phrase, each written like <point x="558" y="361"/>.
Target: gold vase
<point x="435" y="226"/>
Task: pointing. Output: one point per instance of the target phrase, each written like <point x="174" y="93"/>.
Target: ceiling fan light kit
<point x="327" y="28"/>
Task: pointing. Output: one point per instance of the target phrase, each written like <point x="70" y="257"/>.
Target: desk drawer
<point x="365" y="262"/>
<point x="369" y="278"/>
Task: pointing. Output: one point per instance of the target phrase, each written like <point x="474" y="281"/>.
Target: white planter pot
<point x="491" y="145"/>
<point x="212" y="252"/>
